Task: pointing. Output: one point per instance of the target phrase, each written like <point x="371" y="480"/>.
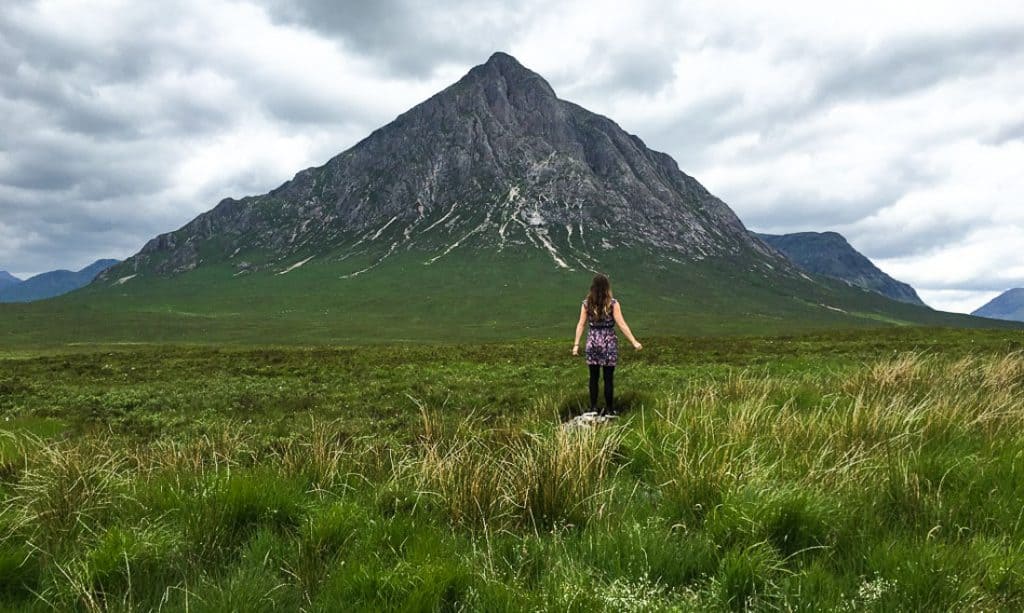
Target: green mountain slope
<point x="492" y="296"/>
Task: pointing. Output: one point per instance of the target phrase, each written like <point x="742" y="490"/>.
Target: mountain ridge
<point x="1007" y="306"/>
<point x="7" y="279"/>
<point x="831" y="255"/>
<point x="53" y="283"/>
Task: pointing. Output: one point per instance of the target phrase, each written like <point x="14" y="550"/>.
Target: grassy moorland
<point x="868" y="470"/>
<point x="488" y="297"/>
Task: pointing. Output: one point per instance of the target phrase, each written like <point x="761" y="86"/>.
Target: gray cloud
<point x="407" y="37"/>
<point x="918" y="62"/>
<point x="1006" y="133"/>
<point x="879" y="241"/>
<point x="884" y="72"/>
<point x="989" y="283"/>
<point x="644" y="68"/>
<point x="798" y="213"/>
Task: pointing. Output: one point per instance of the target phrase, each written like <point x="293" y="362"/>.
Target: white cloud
<point x="955" y="300"/>
<point x="986" y="259"/>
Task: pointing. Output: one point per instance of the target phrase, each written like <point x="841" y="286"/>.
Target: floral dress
<point x="602" y="344"/>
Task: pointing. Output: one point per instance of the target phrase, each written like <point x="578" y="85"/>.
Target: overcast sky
<point x="901" y="127"/>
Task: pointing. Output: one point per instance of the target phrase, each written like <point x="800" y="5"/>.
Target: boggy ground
<point x="869" y="470"/>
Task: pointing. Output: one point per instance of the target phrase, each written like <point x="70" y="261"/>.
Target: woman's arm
<point x="619" y="319"/>
<point x="579" y="330"/>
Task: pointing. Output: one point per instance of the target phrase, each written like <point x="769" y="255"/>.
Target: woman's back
<point x="608" y="321"/>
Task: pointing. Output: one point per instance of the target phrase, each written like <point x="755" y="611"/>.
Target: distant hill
<point x="50" y="284"/>
<point x="1009" y="306"/>
<point x="829" y="254"/>
<point x="7" y="280"/>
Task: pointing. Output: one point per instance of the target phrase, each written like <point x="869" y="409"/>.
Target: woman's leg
<point x="609" y="387"/>
<point x="595" y="372"/>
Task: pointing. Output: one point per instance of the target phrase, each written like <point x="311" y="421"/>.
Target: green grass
<point x="490" y="297"/>
<point x="860" y="470"/>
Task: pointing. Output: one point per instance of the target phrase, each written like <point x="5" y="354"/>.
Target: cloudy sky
<point x="900" y="126"/>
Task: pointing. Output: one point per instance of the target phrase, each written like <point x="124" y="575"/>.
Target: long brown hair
<point x="599" y="300"/>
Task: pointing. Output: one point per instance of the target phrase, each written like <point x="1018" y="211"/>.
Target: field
<point x="486" y="297"/>
<point x="877" y="469"/>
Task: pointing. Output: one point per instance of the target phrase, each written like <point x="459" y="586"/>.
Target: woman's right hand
<point x="575" y="349"/>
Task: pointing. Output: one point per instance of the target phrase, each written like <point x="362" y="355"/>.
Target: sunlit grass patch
<point x="557" y="476"/>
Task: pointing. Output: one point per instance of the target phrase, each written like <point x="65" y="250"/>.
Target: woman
<point x="603" y="312"/>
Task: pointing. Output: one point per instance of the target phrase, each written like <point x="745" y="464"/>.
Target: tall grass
<point x="890" y="485"/>
<point x="535" y="480"/>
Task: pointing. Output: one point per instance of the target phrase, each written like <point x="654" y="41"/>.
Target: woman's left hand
<point x="637" y="345"/>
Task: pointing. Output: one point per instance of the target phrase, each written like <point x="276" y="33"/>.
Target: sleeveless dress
<point x="602" y="344"/>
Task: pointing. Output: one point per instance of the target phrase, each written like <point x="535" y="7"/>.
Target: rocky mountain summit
<point x="495" y="161"/>
<point x="1009" y="306"/>
<point x="829" y="254"/>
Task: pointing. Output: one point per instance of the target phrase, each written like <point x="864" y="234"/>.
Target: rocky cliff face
<point x="495" y="161"/>
<point x="1009" y="306"/>
<point x="829" y="254"/>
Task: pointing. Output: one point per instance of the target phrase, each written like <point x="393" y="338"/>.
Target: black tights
<point x="609" y="385"/>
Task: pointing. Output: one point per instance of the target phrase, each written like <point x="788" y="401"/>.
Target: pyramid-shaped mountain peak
<point x="495" y="162"/>
<point x="505" y="67"/>
<point x="502" y="81"/>
<point x="502" y="58"/>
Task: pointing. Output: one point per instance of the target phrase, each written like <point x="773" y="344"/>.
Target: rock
<point x="590" y="419"/>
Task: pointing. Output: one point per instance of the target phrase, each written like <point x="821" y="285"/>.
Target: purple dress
<point x="602" y="344"/>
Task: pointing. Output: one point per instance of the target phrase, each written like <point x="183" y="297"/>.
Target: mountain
<point x="53" y="283"/>
<point x="495" y="160"/>
<point x="1009" y="306"/>
<point x="7" y="280"/>
<point x="478" y="214"/>
<point x="829" y="254"/>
